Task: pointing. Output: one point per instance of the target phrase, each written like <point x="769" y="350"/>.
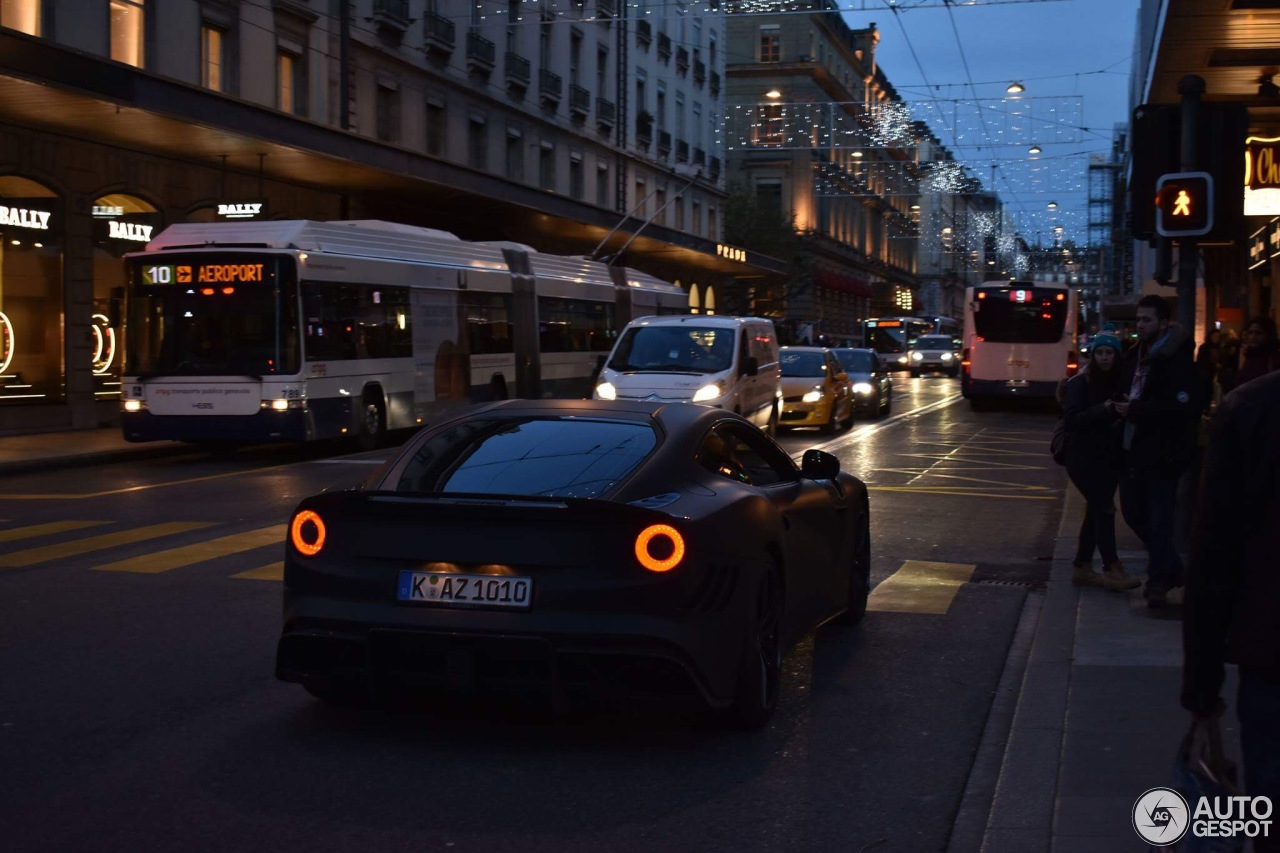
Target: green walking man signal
<point x="1184" y="204"/>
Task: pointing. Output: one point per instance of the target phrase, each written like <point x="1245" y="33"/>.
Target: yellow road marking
<point x="176" y="558"/>
<point x="31" y="556"/>
<point x="920" y="587"/>
<point x="128" y="489"/>
<point x="959" y="491"/>
<point x="273" y="572"/>
<point x="45" y="529"/>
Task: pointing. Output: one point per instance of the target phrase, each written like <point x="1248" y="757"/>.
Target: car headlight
<point x="902" y="359"/>
<point x="813" y="396"/>
<point x="946" y="356"/>
<point x="917" y="356"/>
<point x="862" y="388"/>
<point x="708" y="392"/>
<point x="606" y="391"/>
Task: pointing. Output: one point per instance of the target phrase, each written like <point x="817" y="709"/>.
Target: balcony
<point x="664" y="143"/>
<point x="682" y="60"/>
<point x="699" y="72"/>
<point x="644" y="35"/>
<point x="550" y="86"/>
<point x="391" y="17"/>
<point x="606" y="114"/>
<point x="715" y="84"/>
<point x="480" y="54"/>
<point x="517" y="68"/>
<point x="607" y="8"/>
<point x="699" y="157"/>
<point x="664" y="47"/>
<point x="439" y="35"/>
<point x="682" y="151"/>
<point x="579" y="101"/>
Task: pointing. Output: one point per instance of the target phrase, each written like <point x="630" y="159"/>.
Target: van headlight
<point x="917" y="356"/>
<point x="902" y="359"/>
<point x="813" y="396"/>
<point x="862" y="388"/>
<point x="606" y="391"/>
<point x="708" y="392"/>
<point x="946" y="356"/>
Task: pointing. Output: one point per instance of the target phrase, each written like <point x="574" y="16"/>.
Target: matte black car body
<point x="598" y="619"/>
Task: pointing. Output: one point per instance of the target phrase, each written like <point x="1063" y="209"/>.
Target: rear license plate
<point x="1017" y="383"/>
<point x="472" y="590"/>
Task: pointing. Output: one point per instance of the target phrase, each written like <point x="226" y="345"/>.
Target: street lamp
<point x="1034" y="149"/>
<point x="1016" y="88"/>
<point x="1053" y="205"/>
<point x="773" y="94"/>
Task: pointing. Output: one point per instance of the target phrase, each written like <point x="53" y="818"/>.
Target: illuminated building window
<point x="21" y="15"/>
<point x="289" y="79"/>
<point x="770" y="132"/>
<point x="213" y="58"/>
<point x="127" y="20"/>
<point x="770" y="44"/>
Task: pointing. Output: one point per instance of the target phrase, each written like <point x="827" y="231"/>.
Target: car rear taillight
<point x="659" y="547"/>
<point x="307" y="533"/>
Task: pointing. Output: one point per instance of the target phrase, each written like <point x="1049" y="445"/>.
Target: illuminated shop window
<point x="21" y="15"/>
<point x="31" y="303"/>
<point x="695" y="299"/>
<point x="127" y="19"/>
<point x="121" y="223"/>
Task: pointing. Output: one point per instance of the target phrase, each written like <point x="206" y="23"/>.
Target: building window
<point x="769" y="132"/>
<point x="641" y="196"/>
<point x="289" y="79"/>
<point x="547" y="166"/>
<point x="478" y="144"/>
<point x="713" y="228"/>
<point x="577" y="181"/>
<point x="770" y="44"/>
<point x="387" y="114"/>
<point x="659" y="207"/>
<point x="696" y="224"/>
<point x="515" y="156"/>
<point x="127" y="18"/>
<point x="602" y="185"/>
<point x="435" y="128"/>
<point x="602" y="72"/>
<point x="679" y="203"/>
<point x="21" y="15"/>
<point x="213" y="58"/>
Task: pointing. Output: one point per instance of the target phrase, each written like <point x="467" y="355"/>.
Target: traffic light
<point x="1184" y="204"/>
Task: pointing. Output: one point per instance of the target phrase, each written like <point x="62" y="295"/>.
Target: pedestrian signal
<point x="1184" y="204"/>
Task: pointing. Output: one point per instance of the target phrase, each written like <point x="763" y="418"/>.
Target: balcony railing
<point x="579" y="100"/>
<point x="644" y="34"/>
<point x="664" y="46"/>
<point x="480" y="53"/>
<point x="606" y="113"/>
<point x="664" y="143"/>
<point x="682" y="60"/>
<point x="438" y="33"/>
<point x="607" y="8"/>
<point x="517" y="68"/>
<point x="682" y="151"/>
<point x="699" y="71"/>
<point x="715" y="84"/>
<point x="550" y="86"/>
<point x="391" y="16"/>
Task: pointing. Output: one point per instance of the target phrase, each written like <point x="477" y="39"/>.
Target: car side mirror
<point x="819" y="465"/>
<point x="750" y="366"/>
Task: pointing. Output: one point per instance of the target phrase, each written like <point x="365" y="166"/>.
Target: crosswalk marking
<point x="31" y="556"/>
<point x="34" y="530"/>
<point x="175" y="558"/>
<point x="273" y="572"/>
<point x="920" y="587"/>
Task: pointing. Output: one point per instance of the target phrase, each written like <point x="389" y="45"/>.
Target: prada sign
<point x="242" y="210"/>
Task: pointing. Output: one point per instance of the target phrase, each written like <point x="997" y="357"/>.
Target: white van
<point x="726" y="362"/>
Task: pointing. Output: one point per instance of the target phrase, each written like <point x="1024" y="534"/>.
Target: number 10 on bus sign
<point x="166" y="275"/>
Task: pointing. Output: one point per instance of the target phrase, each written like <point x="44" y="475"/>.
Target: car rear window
<point x="544" y="457"/>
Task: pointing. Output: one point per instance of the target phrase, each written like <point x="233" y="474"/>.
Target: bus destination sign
<point x="203" y="274"/>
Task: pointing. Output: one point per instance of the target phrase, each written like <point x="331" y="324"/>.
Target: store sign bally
<point x="244" y="210"/>
<point x="134" y="231"/>
<point x="21" y="217"/>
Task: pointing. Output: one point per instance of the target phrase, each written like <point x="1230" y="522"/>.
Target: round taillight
<point x="659" y="547"/>
<point x="307" y="533"/>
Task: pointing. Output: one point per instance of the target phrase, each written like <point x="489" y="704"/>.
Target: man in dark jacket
<point x="1232" y="608"/>
<point x="1161" y="414"/>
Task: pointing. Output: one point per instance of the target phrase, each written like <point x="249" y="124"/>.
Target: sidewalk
<point x="45" y="451"/>
<point x="1094" y="718"/>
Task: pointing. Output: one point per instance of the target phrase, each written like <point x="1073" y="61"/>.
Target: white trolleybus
<point x="1019" y="339"/>
<point x="298" y="330"/>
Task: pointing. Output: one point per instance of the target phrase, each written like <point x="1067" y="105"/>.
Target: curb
<point x="99" y="457"/>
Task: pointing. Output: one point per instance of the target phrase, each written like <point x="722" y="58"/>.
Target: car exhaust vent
<point x="716" y="590"/>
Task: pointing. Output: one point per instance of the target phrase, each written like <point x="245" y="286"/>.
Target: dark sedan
<point x="871" y="383"/>
<point x="576" y="549"/>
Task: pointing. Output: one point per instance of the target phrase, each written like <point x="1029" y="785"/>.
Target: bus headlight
<point x="283" y="405"/>
<point x="708" y="392"/>
<point x="946" y="356"/>
<point x="606" y="391"/>
<point x="133" y="405"/>
<point x="813" y="396"/>
<point x="862" y="388"/>
<point x="917" y="356"/>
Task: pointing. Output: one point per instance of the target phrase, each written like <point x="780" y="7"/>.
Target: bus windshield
<point x="212" y="315"/>
<point x="674" y="349"/>
<point x="1027" y="316"/>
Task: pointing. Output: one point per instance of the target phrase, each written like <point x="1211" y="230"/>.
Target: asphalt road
<point x="138" y="708"/>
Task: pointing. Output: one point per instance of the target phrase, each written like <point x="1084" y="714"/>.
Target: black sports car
<point x="576" y="547"/>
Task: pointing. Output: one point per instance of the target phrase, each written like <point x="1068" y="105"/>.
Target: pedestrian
<point x="1160" y="433"/>
<point x="1207" y="361"/>
<point x="1233" y="586"/>
<point x="1260" y="356"/>
<point x="1094" y="461"/>
<point x="1228" y="362"/>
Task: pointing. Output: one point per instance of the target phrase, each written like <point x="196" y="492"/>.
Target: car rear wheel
<point x="760" y="673"/>
<point x="373" y="424"/>
<point x="859" y="573"/>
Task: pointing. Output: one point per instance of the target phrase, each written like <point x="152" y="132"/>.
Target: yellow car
<point x="815" y="389"/>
